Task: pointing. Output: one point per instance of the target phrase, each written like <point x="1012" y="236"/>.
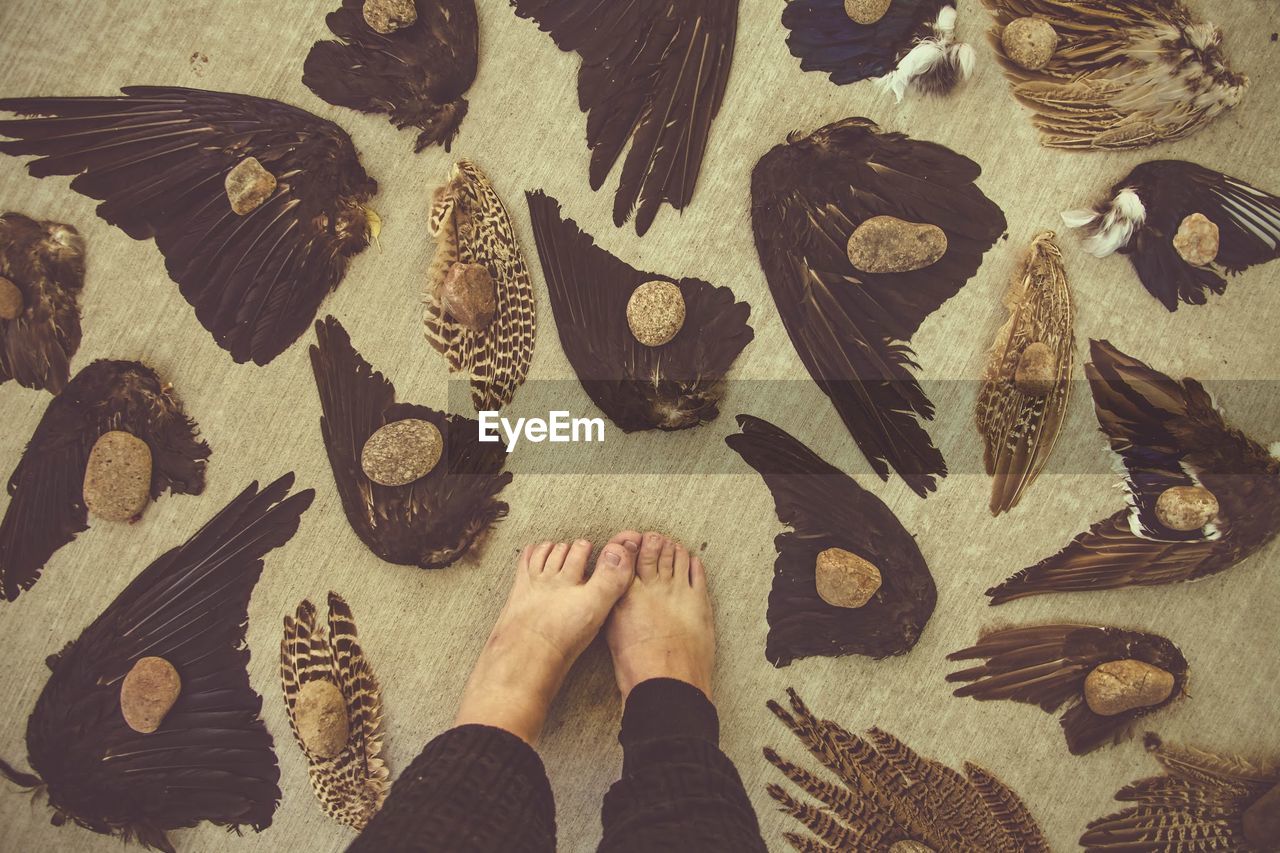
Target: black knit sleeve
<point x="473" y="789"/>
<point x="678" y="791"/>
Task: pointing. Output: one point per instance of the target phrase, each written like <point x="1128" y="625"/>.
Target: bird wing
<point x="212" y="757"/>
<point x="653" y="75"/>
<point x="158" y="159"/>
<point x="673" y="386"/>
<point x="824" y="38"/>
<point x="47" y="507"/>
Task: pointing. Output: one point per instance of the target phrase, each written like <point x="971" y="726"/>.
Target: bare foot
<point x="551" y="616"/>
<point x="662" y="627"/>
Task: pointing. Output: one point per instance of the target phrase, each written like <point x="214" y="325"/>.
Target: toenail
<point x="584" y="543"/>
<point x="631" y="546"/>
<point x="613" y="558"/>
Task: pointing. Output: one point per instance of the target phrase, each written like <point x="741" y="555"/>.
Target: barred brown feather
<point x="351" y="785"/>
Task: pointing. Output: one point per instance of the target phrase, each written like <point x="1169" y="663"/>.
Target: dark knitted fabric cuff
<point x="665" y="708"/>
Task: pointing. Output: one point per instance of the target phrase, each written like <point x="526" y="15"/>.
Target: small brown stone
<point x="866" y="11"/>
<point x="117" y="478"/>
<point x="1123" y="685"/>
<point x="1037" y="371"/>
<point x="1262" y="821"/>
<point x="1186" y="508"/>
<point x="10" y="300"/>
<point x="909" y="847"/>
<point x="1029" y="42"/>
<point x="401" y="452"/>
<point x="320" y="714"/>
<point x="888" y="244"/>
<point x="655" y="312"/>
<point x="844" y="579"/>
<point x="1197" y="240"/>
<point x="387" y="16"/>
<point x="249" y="185"/>
<point x="469" y="295"/>
<point x="148" y="692"/>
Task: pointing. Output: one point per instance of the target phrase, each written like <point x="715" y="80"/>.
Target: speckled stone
<point x="1261" y="821"/>
<point x="1123" y="685"/>
<point x="1186" y="508"/>
<point x="320" y="714"/>
<point x="655" y="312"/>
<point x="1197" y="240"/>
<point x="401" y="452"/>
<point x="148" y="692"/>
<point x="117" y="477"/>
<point x="1037" y="370"/>
<point x="1029" y="42"/>
<point x="866" y="11"/>
<point x="249" y="185"/>
<point x="909" y="847"/>
<point x="387" y="16"/>
<point x="10" y="300"/>
<point x="844" y="579"/>
<point x="886" y="244"/>
<point x="469" y="295"/>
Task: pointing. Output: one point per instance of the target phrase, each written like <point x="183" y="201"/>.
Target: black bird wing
<point x="653" y="75"/>
<point x="212" y="758"/>
<point x="825" y="508"/>
<point x="46" y="508"/>
<point x="416" y="75"/>
<point x="1046" y="665"/>
<point x="158" y="158"/>
<point x="1248" y="221"/>
<point x="432" y="521"/>
<point x="850" y="328"/>
<point x="45" y="261"/>
<point x="824" y="38"/>
<point x="674" y="386"/>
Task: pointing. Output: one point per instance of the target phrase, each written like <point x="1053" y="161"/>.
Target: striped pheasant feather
<point x="352" y="784"/>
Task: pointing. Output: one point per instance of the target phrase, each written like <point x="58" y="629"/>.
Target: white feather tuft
<point x="928" y="56"/>
<point x="1079" y="218"/>
<point x="1110" y="230"/>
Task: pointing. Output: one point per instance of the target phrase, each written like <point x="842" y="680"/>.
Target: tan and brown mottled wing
<point x="1020" y="430"/>
<point x="1008" y="810"/>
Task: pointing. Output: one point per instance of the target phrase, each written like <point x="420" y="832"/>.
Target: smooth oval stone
<point x="1197" y="240"/>
<point x="117" y="478"/>
<point x="148" y="692"/>
<point x="844" y="579"/>
<point x="866" y="11"/>
<point x="320" y="714"/>
<point x="1262" y="821"/>
<point x="387" y="16"/>
<point x="469" y="295"/>
<point x="655" y="312"/>
<point x="1123" y="685"/>
<point x="1029" y="42"/>
<point x="1037" y="372"/>
<point x="886" y="244"/>
<point x="11" y="301"/>
<point x="1186" y="508"/>
<point x="909" y="847"/>
<point x="249" y="185"/>
<point x="401" y="452"/>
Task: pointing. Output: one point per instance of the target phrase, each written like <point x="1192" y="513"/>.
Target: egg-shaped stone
<point x="1123" y="685"/>
<point x="320" y="715"/>
<point x="866" y="11"/>
<point x="117" y="477"/>
<point x="468" y="295"/>
<point x="886" y="244"/>
<point x="387" y="16"/>
<point x="844" y="579"/>
<point x="148" y="692"/>
<point x="1029" y="42"/>
<point x="401" y="452"/>
<point x="1186" y="508"/>
<point x="656" y="312"/>
<point x="248" y="185"/>
<point x="1197" y="240"/>
<point x="11" y="301"/>
<point x="1037" y="370"/>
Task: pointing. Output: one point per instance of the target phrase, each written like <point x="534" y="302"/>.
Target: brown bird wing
<point x="675" y="386"/>
<point x="417" y="75"/>
<point x="653" y="75"/>
<point x="825" y="508"/>
<point x="45" y="261"/>
<point x="212" y="758"/>
<point x="1046" y="665"/>
<point x="432" y="521"/>
<point x="158" y="158"/>
<point x="47" y="508"/>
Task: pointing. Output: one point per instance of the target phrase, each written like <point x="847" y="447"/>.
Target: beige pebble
<point x="320" y="713"/>
<point x="866" y="11"/>
<point x="10" y="300"/>
<point x="469" y="295"/>
<point x="1029" y="42"/>
<point x="655" y="312"/>
<point x="844" y="579"/>
<point x="387" y="16"/>
<point x="1037" y="371"/>
<point x="1186" y="508"/>
<point x="909" y="847"/>
<point x="885" y="244"/>
<point x="148" y="692"/>
<point x="401" y="452"/>
<point x="1262" y="821"/>
<point x="1197" y="240"/>
<point x="1123" y="685"/>
<point x="117" y="478"/>
<point x="249" y="185"/>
